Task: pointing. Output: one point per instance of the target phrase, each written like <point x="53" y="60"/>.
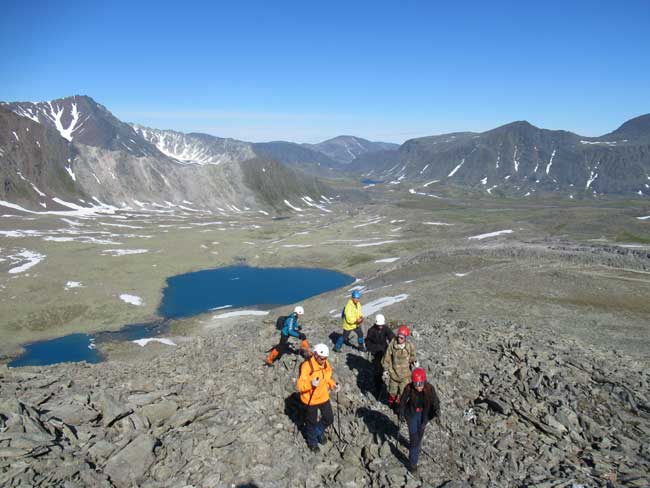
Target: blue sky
<point x="307" y="71"/>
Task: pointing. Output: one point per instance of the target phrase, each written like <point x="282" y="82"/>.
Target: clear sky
<point x="306" y="71"/>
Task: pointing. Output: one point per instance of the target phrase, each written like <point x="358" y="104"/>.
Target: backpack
<point x="279" y="324"/>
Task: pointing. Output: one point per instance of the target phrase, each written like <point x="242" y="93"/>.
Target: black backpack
<point x="279" y="324"/>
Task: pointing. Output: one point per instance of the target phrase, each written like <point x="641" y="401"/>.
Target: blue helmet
<point x="356" y="294"/>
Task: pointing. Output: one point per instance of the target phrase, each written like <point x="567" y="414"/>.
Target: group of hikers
<point x="394" y="361"/>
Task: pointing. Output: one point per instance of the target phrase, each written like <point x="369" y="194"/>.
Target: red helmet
<point x="404" y="331"/>
<point x="419" y="375"/>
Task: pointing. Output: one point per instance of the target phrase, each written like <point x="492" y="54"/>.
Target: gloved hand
<point x="415" y="364"/>
<point x="302" y="336"/>
<point x="385" y="376"/>
<point x="315" y="382"/>
<point x="337" y="388"/>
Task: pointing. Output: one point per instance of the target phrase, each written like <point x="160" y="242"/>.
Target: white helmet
<point x="299" y="310"/>
<point x="321" y="350"/>
<point x="380" y="319"/>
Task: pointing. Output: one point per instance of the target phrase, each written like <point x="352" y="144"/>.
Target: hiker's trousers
<point x="315" y="428"/>
<point x="416" y="424"/>
<point x="345" y="337"/>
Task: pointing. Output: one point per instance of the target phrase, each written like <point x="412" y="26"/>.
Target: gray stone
<point x="128" y="467"/>
<point x="157" y="413"/>
<point x="112" y="410"/>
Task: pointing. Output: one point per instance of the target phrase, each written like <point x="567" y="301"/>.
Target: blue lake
<point x="368" y="181"/>
<point x="191" y="294"/>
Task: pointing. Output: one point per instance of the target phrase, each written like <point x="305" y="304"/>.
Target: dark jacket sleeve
<point x="389" y="334"/>
<point x="404" y="399"/>
<point x="434" y="411"/>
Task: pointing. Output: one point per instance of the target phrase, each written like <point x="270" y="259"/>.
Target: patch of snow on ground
<point x="292" y="207"/>
<point x="296" y="245"/>
<point x="453" y="171"/>
<point x="644" y="218"/>
<point x="430" y="183"/>
<point x="220" y="308"/>
<point x="436" y="223"/>
<point x="123" y="252"/>
<point x="368" y="244"/>
<point x="162" y="340"/>
<point x="376" y="305"/>
<point x="131" y="299"/>
<point x="72" y="284"/>
<point x="32" y="258"/>
<point x="240" y="313"/>
<point x="491" y="234"/>
<point x="386" y="260"/>
<point x="460" y="275"/>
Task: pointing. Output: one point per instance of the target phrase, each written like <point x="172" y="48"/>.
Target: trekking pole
<point x="338" y="416"/>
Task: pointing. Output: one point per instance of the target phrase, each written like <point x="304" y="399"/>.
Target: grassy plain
<point x="598" y="296"/>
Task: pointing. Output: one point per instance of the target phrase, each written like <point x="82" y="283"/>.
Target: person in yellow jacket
<point x="352" y="320"/>
<point x="314" y="384"/>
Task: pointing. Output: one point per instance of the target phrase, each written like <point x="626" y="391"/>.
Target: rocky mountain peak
<point x="344" y="149"/>
<point x="635" y="128"/>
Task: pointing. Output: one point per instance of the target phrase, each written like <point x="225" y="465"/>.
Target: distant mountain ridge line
<point x="515" y="158"/>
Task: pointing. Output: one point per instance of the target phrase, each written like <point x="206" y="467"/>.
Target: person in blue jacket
<point x="290" y="328"/>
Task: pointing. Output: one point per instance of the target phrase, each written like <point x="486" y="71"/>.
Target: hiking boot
<point x="413" y="469"/>
<point x="315" y="449"/>
<point x="336" y="350"/>
<point x="322" y="440"/>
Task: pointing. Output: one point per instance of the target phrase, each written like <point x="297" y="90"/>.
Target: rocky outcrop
<point x="519" y="408"/>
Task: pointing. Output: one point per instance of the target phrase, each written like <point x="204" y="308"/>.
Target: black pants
<point x="377" y="358"/>
<point x="314" y="428"/>
<point x="283" y="346"/>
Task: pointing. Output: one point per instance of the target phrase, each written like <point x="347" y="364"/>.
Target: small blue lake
<point x="191" y="294"/>
<point x="368" y="181"/>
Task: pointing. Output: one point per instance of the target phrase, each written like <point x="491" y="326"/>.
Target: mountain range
<point x="519" y="158"/>
<point x="74" y="151"/>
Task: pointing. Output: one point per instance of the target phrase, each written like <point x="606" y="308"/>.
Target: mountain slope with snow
<point x="521" y="159"/>
<point x="196" y="148"/>
<point x="76" y="151"/>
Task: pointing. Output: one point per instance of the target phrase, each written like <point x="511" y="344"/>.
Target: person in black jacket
<point x="419" y="404"/>
<point x="376" y="343"/>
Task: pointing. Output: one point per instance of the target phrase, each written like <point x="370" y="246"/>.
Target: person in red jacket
<point x="314" y="384"/>
<point x="418" y="405"/>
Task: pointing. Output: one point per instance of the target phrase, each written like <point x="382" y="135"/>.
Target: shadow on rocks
<point x="365" y="373"/>
<point x="295" y="410"/>
<point x="248" y="485"/>
<point x="386" y="430"/>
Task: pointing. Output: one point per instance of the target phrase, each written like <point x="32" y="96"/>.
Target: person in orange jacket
<point x="314" y="384"/>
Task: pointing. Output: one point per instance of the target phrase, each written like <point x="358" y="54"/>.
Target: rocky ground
<point x="537" y="344"/>
<point x="520" y="407"/>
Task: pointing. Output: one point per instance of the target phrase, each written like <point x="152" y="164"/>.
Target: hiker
<point x="290" y="328"/>
<point x="398" y="362"/>
<point x="377" y="340"/>
<point x="352" y="318"/>
<point x="314" y="384"/>
<point x="418" y="405"/>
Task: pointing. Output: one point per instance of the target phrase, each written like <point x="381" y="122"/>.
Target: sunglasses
<point x="418" y="384"/>
<point x="401" y="337"/>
